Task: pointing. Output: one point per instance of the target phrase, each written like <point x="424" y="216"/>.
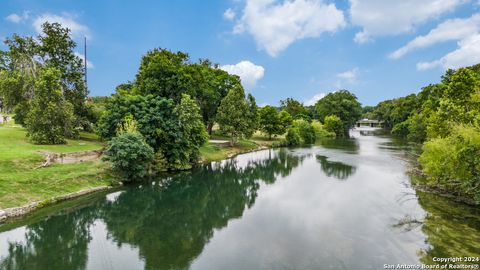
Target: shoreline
<point x="21" y="211"/>
<point x="24" y="210"/>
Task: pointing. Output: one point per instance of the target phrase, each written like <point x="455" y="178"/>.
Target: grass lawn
<point x="218" y="151"/>
<point x="215" y="151"/>
<point x="21" y="184"/>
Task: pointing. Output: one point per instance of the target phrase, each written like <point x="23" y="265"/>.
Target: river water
<point x="342" y="204"/>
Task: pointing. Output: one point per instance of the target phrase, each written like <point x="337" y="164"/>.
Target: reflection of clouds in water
<point x="112" y="197"/>
<point x="303" y="223"/>
<point x="102" y="247"/>
<point x="16" y="235"/>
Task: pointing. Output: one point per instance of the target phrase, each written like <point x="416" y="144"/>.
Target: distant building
<point x="369" y="123"/>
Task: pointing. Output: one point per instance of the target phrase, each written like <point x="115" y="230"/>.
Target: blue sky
<point x="378" y="49"/>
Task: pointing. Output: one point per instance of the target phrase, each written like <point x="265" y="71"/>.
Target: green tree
<point x="334" y="124"/>
<point x="50" y="118"/>
<point x="27" y="56"/>
<point x="342" y="104"/>
<point x="233" y="115"/>
<point x="167" y="74"/>
<point x="192" y="126"/>
<point x="270" y="122"/>
<point x="162" y="124"/>
<point x="453" y="163"/>
<point x="129" y="154"/>
<point x="306" y="130"/>
<point x="293" y="137"/>
<point x="163" y="73"/>
<point x="293" y="107"/>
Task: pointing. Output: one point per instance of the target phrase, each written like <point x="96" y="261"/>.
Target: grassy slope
<point x="215" y="152"/>
<point x="20" y="183"/>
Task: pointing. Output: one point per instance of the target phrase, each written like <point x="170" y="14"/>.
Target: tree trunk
<point x="210" y="128"/>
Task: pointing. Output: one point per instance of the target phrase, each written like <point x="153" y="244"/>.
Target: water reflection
<point x="337" y="169"/>
<point x="58" y="242"/>
<point x="452" y="230"/>
<point x="264" y="210"/>
<point x="350" y="146"/>
<point x="169" y="222"/>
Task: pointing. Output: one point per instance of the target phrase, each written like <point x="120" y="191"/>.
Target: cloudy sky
<point x="378" y="49"/>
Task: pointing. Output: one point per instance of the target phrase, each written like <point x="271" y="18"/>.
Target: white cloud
<point x="66" y="20"/>
<point x="248" y="72"/>
<point x="229" y="14"/>
<point x="361" y="37"/>
<point x="467" y="54"/>
<point x="350" y="76"/>
<point x="15" y="18"/>
<point x="454" y="29"/>
<point x="313" y="100"/>
<point x="390" y="17"/>
<point x="275" y="25"/>
<point x="89" y="64"/>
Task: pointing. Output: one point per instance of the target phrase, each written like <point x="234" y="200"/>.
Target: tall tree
<point x="24" y="59"/>
<point x="168" y="74"/>
<point x="342" y="104"/>
<point x="270" y="122"/>
<point x="50" y="118"/>
<point x="233" y="115"/>
<point x="293" y="107"/>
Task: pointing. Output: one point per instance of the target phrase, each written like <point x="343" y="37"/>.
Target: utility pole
<point x="85" y="61"/>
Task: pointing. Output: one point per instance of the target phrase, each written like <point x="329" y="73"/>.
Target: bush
<point x="401" y="129"/>
<point x="306" y="130"/>
<point x="320" y="130"/>
<point x="130" y="156"/>
<point x="453" y="163"/>
<point x="293" y="137"/>
<point x="334" y="124"/>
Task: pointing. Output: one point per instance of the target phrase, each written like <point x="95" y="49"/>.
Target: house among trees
<point x="369" y="122"/>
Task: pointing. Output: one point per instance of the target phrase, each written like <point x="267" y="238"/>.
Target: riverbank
<point x="26" y="185"/>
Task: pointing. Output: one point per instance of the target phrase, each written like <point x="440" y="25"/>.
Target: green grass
<point x="21" y="183"/>
<point x="215" y="152"/>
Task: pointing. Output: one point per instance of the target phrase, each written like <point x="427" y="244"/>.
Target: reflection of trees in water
<point x="346" y="145"/>
<point x="171" y="227"/>
<point x="336" y="169"/>
<point x="169" y="224"/>
<point x="58" y="242"/>
<point x="452" y="230"/>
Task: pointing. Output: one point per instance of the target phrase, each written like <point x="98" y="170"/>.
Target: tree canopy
<point x="342" y="104"/>
<point x="237" y="115"/>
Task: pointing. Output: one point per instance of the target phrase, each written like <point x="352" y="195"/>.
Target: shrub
<point x="453" y="163"/>
<point x="130" y="156"/>
<point x="293" y="137"/>
<point x="401" y="129"/>
<point x="306" y="130"/>
<point x="320" y="130"/>
<point x="334" y="124"/>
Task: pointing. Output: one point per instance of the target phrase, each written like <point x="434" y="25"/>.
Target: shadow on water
<point x="337" y="169"/>
<point x="350" y="146"/>
<point x="169" y="222"/>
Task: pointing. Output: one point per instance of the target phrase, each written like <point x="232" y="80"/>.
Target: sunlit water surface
<point x="343" y="204"/>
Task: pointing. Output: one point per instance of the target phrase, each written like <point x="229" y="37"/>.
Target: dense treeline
<point x="445" y="117"/>
<point x="159" y="120"/>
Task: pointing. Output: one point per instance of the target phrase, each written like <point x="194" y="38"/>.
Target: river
<point x="342" y="204"/>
